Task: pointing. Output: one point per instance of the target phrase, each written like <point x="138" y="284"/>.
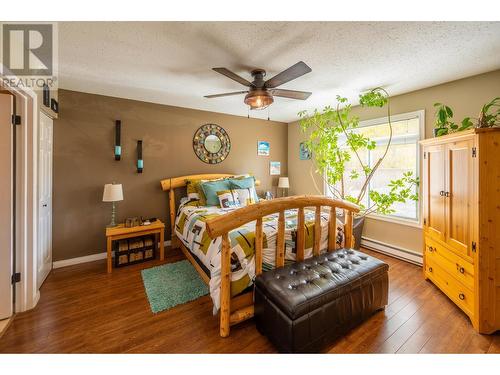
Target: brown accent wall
<point x="84" y="161"/>
<point x="465" y="96"/>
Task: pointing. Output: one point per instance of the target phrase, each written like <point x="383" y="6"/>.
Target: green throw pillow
<point x="194" y="191"/>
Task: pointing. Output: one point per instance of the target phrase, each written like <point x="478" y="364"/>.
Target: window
<point x="403" y="156"/>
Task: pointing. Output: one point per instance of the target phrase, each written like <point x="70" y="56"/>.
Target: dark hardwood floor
<point x="84" y="310"/>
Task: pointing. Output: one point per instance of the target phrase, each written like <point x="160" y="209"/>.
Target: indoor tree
<point x="334" y="139"/>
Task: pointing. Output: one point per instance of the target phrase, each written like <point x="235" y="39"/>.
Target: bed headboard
<point x="170" y="184"/>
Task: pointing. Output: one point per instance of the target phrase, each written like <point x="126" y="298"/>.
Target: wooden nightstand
<point x="120" y="233"/>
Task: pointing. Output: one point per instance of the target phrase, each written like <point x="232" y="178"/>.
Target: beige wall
<point x="84" y="161"/>
<point x="465" y="97"/>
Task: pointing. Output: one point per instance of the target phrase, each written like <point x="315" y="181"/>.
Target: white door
<point x="6" y="198"/>
<point x="44" y="257"/>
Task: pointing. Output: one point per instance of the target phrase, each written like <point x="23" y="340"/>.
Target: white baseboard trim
<point x="73" y="261"/>
<point x="391" y="250"/>
<point x="85" y="259"/>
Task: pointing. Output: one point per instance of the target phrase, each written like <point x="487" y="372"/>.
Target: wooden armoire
<point x="461" y="198"/>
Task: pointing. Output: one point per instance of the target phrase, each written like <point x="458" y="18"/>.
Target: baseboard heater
<point x="390" y="250"/>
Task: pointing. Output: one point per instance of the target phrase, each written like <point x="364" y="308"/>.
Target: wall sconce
<point x="140" y="162"/>
<point x="118" y="147"/>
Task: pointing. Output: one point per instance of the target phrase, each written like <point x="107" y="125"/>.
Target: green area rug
<point x="172" y="284"/>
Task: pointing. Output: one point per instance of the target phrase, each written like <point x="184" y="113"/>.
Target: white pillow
<point x="245" y="196"/>
<point x="228" y="199"/>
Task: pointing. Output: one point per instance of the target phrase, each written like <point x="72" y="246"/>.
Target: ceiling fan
<point x="260" y="93"/>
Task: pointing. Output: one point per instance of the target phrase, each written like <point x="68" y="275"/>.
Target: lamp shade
<point x="112" y="193"/>
<point x="283" y="183"/>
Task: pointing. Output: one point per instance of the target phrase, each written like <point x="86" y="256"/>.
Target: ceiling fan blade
<point x="292" y="94"/>
<point x="233" y="76"/>
<point x="295" y="71"/>
<point x="226" y="94"/>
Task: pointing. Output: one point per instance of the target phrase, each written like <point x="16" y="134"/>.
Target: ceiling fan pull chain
<point x="268" y="110"/>
<point x="248" y="113"/>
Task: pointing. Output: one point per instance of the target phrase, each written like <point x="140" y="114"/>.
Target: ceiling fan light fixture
<point x="258" y="99"/>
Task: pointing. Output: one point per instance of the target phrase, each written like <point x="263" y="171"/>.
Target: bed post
<point x="300" y="236"/>
<point x="280" y="241"/>
<point x="317" y="231"/>
<point x="258" y="246"/>
<point x="332" y="229"/>
<point x="225" y="286"/>
<point x="348" y="226"/>
<point x="173" y="237"/>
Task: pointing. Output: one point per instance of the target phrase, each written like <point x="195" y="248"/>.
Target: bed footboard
<point x="222" y="225"/>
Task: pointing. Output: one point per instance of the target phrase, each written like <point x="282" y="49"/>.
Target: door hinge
<point x="474" y="152"/>
<point x="425" y="221"/>
<point x="16" y="278"/>
<point x="425" y="155"/>
<point x="474" y="246"/>
<point x="16" y="120"/>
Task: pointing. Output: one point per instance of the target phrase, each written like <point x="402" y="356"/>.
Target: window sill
<point x="396" y="220"/>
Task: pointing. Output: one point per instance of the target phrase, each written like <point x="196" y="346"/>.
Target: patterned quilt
<point x="190" y="229"/>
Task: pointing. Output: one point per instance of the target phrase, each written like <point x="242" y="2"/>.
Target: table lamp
<point x="112" y="193"/>
<point x="283" y="183"/>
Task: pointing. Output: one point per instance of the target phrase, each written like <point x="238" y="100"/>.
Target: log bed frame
<point x="236" y="309"/>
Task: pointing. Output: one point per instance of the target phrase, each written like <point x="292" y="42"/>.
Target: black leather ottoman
<point x="304" y="306"/>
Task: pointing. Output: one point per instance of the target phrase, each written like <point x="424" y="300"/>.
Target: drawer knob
<point x="461" y="296"/>
<point x="430" y="249"/>
<point x="461" y="269"/>
<point x="430" y="269"/>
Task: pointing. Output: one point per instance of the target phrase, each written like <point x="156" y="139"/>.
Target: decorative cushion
<point x="210" y="188"/>
<point x="192" y="187"/>
<point x="228" y="199"/>
<point x="245" y="196"/>
<point x="245" y="183"/>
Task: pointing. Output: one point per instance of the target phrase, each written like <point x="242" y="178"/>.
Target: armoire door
<point x="6" y="208"/>
<point x="459" y="196"/>
<point x="433" y="190"/>
<point x="44" y="256"/>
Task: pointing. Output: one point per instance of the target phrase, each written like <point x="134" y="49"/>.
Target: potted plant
<point x="334" y="140"/>
<point x="443" y="124"/>
<point x="488" y="117"/>
<point x="490" y="114"/>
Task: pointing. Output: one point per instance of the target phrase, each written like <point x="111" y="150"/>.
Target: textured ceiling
<point x="170" y="62"/>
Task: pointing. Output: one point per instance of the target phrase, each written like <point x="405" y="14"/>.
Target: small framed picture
<point x="263" y="148"/>
<point x="304" y="152"/>
<point x="275" y="168"/>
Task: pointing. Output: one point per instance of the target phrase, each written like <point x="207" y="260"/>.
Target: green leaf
<point x="441" y="132"/>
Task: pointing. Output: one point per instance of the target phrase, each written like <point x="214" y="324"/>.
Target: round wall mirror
<point x="211" y="144"/>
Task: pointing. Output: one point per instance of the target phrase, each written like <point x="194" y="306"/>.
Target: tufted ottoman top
<point x="301" y="287"/>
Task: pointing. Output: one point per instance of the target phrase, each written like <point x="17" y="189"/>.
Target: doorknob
<point x="44" y="205"/>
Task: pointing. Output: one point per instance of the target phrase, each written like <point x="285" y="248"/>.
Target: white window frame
<point x="395" y="118"/>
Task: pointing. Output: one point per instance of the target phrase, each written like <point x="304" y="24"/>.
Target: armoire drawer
<point x="456" y="291"/>
<point x="456" y="266"/>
